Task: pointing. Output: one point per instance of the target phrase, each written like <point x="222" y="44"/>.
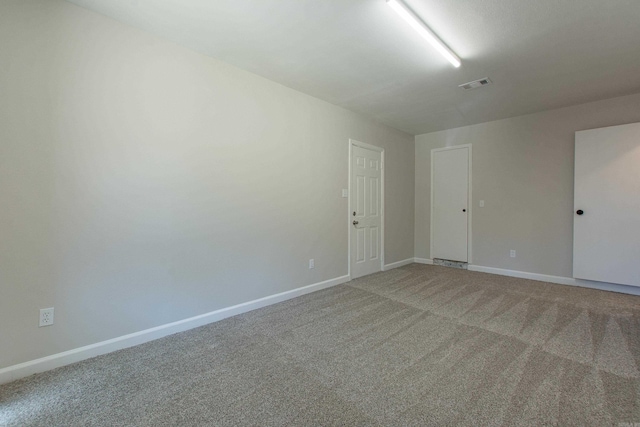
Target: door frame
<point x="354" y="143"/>
<point x="469" y="201"/>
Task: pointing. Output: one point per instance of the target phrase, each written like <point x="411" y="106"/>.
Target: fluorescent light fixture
<point x="417" y="24"/>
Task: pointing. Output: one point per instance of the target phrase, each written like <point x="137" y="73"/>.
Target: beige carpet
<point x="414" y="346"/>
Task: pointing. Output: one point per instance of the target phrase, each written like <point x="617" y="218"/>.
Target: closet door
<point x="606" y="226"/>
<point x="450" y="203"/>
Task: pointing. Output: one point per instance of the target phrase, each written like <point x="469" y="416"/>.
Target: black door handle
<point x="579" y="211"/>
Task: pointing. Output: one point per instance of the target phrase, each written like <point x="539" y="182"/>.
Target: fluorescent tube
<point x="424" y="31"/>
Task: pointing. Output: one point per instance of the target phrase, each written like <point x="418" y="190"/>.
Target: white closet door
<point x="606" y="227"/>
<point x="450" y="197"/>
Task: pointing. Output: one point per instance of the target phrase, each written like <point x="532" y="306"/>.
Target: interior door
<point x="450" y="198"/>
<point x="366" y="211"/>
<point x="606" y="226"/>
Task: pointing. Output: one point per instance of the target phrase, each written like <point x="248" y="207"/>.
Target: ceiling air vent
<point x="475" y="84"/>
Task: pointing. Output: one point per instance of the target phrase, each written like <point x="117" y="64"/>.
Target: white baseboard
<point x="523" y="274"/>
<point x="398" y="264"/>
<point x="603" y="286"/>
<point x="12" y="373"/>
<point x="423" y="261"/>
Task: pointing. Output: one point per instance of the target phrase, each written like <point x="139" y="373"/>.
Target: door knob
<point x="464" y="210"/>
<point x="579" y="211"/>
<point x="355" y="223"/>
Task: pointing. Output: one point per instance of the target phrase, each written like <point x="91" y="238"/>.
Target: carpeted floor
<point x="415" y="346"/>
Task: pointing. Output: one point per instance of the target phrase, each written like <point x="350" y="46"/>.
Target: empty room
<point x="319" y="213"/>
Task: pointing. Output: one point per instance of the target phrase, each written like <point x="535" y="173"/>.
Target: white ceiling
<point x="540" y="54"/>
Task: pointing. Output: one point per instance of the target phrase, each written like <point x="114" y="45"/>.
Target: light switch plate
<point x="345" y="192"/>
<point x="482" y="203"/>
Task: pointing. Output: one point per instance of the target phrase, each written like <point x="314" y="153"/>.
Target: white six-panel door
<point x="365" y="215"/>
<point x="450" y="203"/>
<point x="606" y="225"/>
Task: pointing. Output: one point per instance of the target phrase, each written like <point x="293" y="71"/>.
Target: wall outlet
<point x="512" y="253"/>
<point x="312" y="264"/>
<point x="46" y="317"/>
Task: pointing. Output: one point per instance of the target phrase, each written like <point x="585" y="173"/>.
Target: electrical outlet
<point x="46" y="317"/>
<point x="312" y="264"/>
<point x="512" y="253"/>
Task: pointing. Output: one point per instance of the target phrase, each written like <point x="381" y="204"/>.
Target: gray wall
<point x="142" y="183"/>
<point x="523" y="170"/>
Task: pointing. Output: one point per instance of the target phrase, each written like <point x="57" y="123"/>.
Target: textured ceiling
<point x="358" y="54"/>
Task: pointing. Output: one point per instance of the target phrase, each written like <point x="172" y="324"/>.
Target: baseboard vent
<point x="448" y="263"/>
